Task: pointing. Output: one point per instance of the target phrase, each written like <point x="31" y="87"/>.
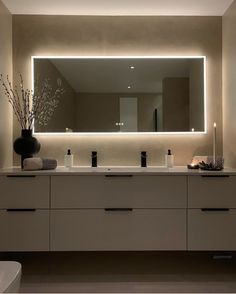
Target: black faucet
<point x="143" y="159"/>
<point x="94" y="158"/>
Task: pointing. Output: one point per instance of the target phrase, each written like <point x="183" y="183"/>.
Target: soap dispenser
<point x="169" y="159"/>
<point x="69" y="159"/>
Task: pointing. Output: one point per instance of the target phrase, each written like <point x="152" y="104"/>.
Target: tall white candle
<point x="214" y="143"/>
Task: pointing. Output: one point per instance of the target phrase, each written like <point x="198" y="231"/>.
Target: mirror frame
<point x="124" y="57"/>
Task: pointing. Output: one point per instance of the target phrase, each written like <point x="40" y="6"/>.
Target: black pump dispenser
<point x="68" y="152"/>
<point x="143" y="159"/>
<point x="94" y="158"/>
<point x="169" y="152"/>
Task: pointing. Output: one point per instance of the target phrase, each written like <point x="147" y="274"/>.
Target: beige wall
<point x="229" y="88"/>
<point x="5" y="69"/>
<point x="73" y="35"/>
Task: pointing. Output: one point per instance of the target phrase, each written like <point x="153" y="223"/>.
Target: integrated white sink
<point x="10" y="276"/>
<point x="117" y="169"/>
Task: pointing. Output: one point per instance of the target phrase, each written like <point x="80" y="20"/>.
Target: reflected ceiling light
<point x="132" y="67"/>
<point x="129" y="87"/>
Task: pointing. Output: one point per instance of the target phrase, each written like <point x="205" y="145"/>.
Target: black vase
<point x="26" y="145"/>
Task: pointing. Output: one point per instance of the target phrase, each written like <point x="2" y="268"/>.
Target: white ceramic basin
<point x="10" y="276"/>
<point x="118" y="169"/>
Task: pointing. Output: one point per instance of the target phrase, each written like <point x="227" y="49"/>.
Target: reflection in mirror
<point x="126" y="94"/>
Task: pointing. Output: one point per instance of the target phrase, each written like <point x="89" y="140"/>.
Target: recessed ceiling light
<point x="132" y="67"/>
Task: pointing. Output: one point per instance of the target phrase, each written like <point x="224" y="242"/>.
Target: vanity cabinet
<point x="98" y="212"/>
<point x="108" y="229"/>
<point x="27" y="191"/>
<point x="118" y="191"/>
<point x="212" y="191"/>
<point x="211" y="229"/>
<point x="24" y="230"/>
<point x="24" y="213"/>
<point x="118" y="212"/>
<point x="211" y="212"/>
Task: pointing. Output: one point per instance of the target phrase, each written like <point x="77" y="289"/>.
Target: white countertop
<point x="117" y="170"/>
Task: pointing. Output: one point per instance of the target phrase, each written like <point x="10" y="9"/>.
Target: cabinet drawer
<point x="118" y="191"/>
<point x="211" y="230"/>
<point x="213" y="191"/>
<point x="24" y="192"/>
<point x="24" y="230"/>
<point x="139" y="229"/>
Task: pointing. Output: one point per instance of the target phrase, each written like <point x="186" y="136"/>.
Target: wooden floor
<point x="129" y="272"/>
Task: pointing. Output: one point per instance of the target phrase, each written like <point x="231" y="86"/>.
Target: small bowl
<point x="193" y="166"/>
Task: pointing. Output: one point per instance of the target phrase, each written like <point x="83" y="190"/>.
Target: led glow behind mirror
<point x="126" y="94"/>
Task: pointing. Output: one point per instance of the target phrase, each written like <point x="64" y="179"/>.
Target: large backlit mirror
<point x="126" y="94"/>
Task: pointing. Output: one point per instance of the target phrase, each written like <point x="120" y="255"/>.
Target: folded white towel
<point x="37" y="163"/>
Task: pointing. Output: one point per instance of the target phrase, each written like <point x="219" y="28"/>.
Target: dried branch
<point x="29" y="106"/>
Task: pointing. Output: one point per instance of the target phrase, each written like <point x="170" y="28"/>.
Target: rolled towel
<point x="49" y="163"/>
<point x="37" y="163"/>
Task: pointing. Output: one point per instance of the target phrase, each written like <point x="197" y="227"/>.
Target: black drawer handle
<point x="119" y="176"/>
<point x="20" y="209"/>
<point x="215" y="209"/>
<point x="21" y="176"/>
<point x="118" y="209"/>
<point x="215" y="176"/>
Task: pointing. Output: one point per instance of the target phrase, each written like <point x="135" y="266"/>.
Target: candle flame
<point x="214" y="125"/>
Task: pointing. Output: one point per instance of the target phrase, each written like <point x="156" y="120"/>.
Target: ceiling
<point x="119" y="7"/>
<point x="116" y="75"/>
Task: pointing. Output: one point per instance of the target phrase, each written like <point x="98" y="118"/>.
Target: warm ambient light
<point x="126" y="57"/>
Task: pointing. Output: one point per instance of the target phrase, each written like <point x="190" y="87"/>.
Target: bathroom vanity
<point x="84" y="209"/>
